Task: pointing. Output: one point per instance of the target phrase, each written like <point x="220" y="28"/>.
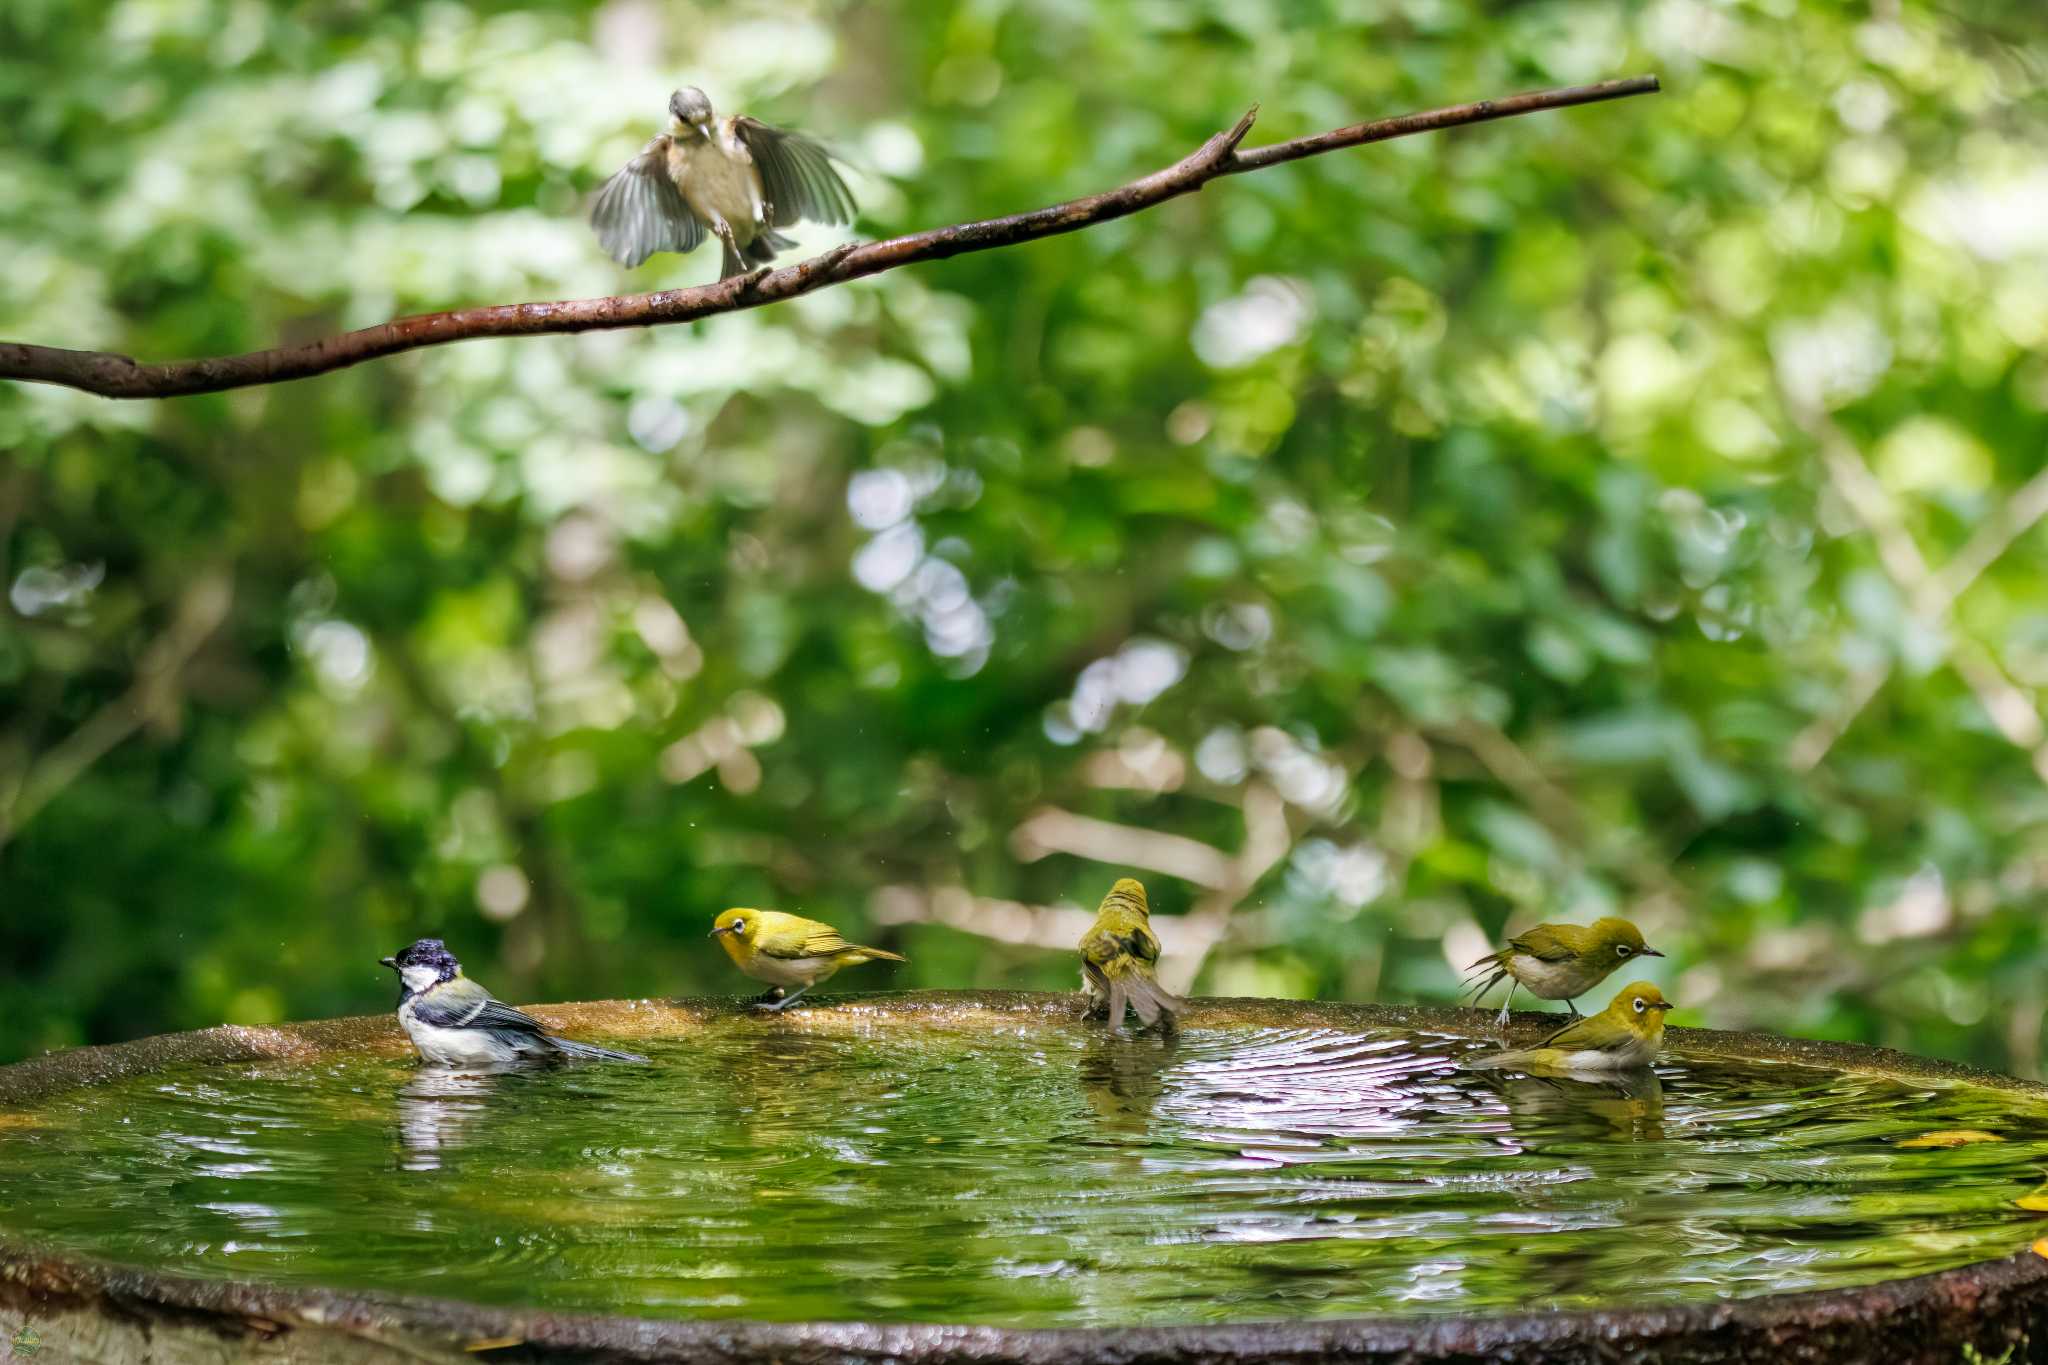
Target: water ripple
<point x="1056" y="1176"/>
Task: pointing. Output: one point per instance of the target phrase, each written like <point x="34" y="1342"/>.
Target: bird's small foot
<point x="770" y="999"/>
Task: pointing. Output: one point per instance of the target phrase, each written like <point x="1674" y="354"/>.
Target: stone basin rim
<point x="1989" y="1304"/>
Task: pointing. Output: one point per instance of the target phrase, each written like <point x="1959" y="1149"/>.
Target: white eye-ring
<point x="1622" y="950"/>
<point x="1640" y="1006"/>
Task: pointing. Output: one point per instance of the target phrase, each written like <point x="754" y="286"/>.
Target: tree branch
<point x="1564" y="815"/>
<point x="153" y="694"/>
<point x="1050" y="830"/>
<point x="1056" y="927"/>
<point x="1267" y="839"/>
<point x="1930" y="595"/>
<point x="118" y="376"/>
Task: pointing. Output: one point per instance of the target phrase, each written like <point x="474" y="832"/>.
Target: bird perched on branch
<point x="1623" y="1037"/>
<point x="454" y="1022"/>
<point x="1119" y="955"/>
<point x="1558" y="961"/>
<point x="735" y="178"/>
<point x="788" y="952"/>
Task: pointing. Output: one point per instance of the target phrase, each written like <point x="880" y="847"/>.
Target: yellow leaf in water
<point x="2040" y="1248"/>
<point x="2038" y="1202"/>
<point x="1951" y="1137"/>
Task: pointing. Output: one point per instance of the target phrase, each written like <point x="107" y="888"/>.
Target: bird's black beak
<point x="728" y="929"/>
<point x="390" y="962"/>
<point x="1651" y="952"/>
<point x="1662" y="1004"/>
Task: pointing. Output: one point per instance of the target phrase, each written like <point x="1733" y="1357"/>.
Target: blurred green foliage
<point x="1466" y="501"/>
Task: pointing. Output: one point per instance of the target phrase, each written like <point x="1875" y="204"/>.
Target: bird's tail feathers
<point x="854" y="954"/>
<point x="591" y="1052"/>
<point x="729" y="263"/>
<point x="1479" y="983"/>
<point x="1139" y="992"/>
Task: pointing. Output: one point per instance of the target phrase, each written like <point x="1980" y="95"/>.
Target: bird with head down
<point x="1119" y="959"/>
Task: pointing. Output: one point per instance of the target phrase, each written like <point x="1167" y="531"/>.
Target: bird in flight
<point x="735" y="178"/>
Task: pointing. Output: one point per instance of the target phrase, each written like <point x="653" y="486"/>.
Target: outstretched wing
<point x="797" y="177"/>
<point x="441" y="1011"/>
<point x="639" y="211"/>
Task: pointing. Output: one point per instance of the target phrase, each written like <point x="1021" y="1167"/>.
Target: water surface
<point x="1033" y="1175"/>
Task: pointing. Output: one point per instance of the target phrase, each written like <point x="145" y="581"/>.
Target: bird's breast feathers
<point x="788" y="971"/>
<point x="717" y="179"/>
<point x="1552" y="980"/>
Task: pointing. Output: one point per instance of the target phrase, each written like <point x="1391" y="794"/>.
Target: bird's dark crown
<point x="690" y="105"/>
<point x="427" y="952"/>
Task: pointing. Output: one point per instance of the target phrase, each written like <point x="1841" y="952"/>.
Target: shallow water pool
<point x="1038" y="1175"/>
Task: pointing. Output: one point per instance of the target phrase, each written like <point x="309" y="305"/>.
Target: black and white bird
<point x="735" y="178"/>
<point x="454" y="1022"/>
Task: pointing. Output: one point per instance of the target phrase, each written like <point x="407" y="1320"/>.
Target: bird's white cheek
<point x="418" y="978"/>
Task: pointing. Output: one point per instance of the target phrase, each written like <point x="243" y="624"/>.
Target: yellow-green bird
<point x="1558" y="961"/>
<point x="1119" y="955"/>
<point x="1623" y="1037"/>
<point x="789" y="952"/>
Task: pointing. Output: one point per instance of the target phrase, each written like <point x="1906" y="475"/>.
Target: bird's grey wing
<point x="797" y="177"/>
<point x="639" y="211"/>
<point x="440" y="1009"/>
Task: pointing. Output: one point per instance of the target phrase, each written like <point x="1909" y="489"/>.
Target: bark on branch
<point x="120" y="376"/>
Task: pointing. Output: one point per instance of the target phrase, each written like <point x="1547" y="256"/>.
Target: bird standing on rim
<point x="735" y="178"/>
<point x="1119" y="954"/>
<point x="1558" y="961"/>
<point x="790" y="953"/>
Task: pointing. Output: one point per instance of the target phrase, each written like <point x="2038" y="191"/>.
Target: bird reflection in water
<point x="1543" y="1109"/>
<point x="436" y="1110"/>
<point x="1125" y="1075"/>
